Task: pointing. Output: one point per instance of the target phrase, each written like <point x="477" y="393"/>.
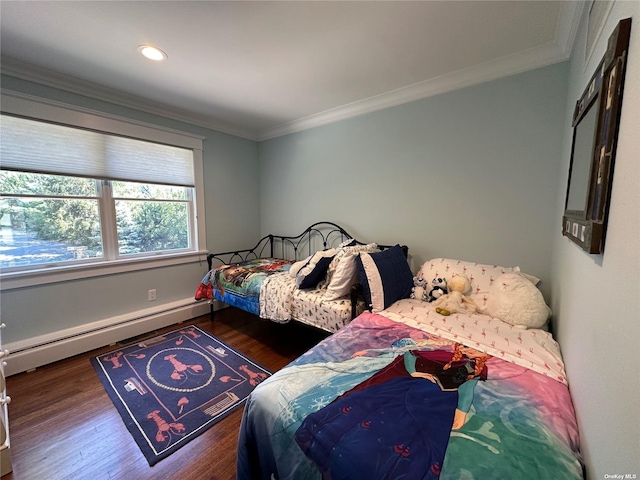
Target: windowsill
<point x="42" y="276"/>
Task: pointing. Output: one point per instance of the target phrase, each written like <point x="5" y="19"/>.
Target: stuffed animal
<point x="438" y="288"/>
<point x="419" y="289"/>
<point x="515" y="300"/>
<point x="456" y="300"/>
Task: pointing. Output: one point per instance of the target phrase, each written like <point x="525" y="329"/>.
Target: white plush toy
<point x="515" y="300"/>
<point x="456" y="300"/>
<point x="419" y="289"/>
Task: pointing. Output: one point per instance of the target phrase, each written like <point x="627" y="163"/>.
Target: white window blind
<point x="40" y="147"/>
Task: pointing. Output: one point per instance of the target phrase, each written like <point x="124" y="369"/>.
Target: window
<point x="72" y="196"/>
<point x="151" y="218"/>
<point x="50" y="219"/>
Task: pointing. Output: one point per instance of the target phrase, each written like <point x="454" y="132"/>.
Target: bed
<point x="405" y="392"/>
<point x="266" y="279"/>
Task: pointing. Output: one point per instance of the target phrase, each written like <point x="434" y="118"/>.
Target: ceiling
<point x="267" y="68"/>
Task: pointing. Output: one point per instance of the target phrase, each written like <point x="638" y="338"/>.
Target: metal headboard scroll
<point x="319" y="236"/>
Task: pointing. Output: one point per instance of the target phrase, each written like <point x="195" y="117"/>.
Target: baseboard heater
<point x="37" y="351"/>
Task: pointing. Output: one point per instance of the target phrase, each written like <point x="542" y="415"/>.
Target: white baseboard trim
<point x="38" y="351"/>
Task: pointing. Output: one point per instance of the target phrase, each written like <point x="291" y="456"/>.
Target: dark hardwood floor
<point x="64" y="426"/>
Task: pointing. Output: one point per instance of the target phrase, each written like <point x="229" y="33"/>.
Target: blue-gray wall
<point x="230" y="166"/>
<point x="478" y="174"/>
<point x="471" y="174"/>
<point x="232" y="220"/>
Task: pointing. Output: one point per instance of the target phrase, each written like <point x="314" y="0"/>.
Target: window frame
<point x="39" y="109"/>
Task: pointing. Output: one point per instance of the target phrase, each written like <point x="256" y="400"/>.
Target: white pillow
<point x="342" y="272"/>
<point x="343" y="278"/>
<point x="295" y="268"/>
<point x="482" y="276"/>
<point x="515" y="300"/>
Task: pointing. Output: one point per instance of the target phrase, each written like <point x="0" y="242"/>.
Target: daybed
<point x="309" y="277"/>
<point x="405" y="392"/>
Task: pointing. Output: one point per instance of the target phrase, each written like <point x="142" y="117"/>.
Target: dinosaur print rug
<point x="170" y="388"/>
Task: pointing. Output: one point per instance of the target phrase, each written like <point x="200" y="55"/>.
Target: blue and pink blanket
<point x="410" y="394"/>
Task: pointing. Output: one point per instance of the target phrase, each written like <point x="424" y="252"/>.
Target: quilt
<point x="408" y="393"/>
<point x="239" y="284"/>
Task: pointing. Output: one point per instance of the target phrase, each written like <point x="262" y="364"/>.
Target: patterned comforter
<point x="264" y="287"/>
<point x="239" y="284"/>
<point x="411" y="394"/>
<point x="281" y="301"/>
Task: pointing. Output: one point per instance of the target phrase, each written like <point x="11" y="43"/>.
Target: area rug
<point x="170" y="388"/>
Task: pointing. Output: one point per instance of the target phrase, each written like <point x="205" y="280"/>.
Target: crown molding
<point x="492" y="70"/>
<point x="557" y="51"/>
<point x="16" y="68"/>
<point x="568" y="24"/>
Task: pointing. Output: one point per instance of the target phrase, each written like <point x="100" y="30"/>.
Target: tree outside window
<point x="49" y="219"/>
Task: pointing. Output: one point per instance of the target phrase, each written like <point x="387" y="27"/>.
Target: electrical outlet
<point x="152" y="295"/>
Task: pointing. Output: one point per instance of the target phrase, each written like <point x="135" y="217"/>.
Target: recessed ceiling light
<point x="152" y="53"/>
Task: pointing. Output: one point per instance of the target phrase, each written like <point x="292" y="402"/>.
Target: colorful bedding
<point x="411" y="394"/>
<point x="239" y="284"/>
<point x="264" y="287"/>
<point x="282" y="301"/>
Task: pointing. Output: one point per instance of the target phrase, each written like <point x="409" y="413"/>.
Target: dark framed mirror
<point x="595" y="132"/>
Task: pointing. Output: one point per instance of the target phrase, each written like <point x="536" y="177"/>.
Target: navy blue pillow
<point x="385" y="277"/>
<point x="315" y="270"/>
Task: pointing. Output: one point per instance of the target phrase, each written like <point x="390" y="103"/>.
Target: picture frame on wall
<point x="595" y="125"/>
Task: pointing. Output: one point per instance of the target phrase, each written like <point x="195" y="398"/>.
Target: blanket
<point x="239" y="284"/>
<point x="281" y="301"/>
<point x="324" y="416"/>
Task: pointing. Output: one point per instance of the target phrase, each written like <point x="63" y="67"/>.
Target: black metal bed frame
<point x="319" y="236"/>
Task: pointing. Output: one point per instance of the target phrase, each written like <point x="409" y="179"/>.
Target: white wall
<point x="596" y="298"/>
<point x="469" y="174"/>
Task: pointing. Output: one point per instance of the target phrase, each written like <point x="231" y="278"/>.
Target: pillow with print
<point x="482" y="276"/>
